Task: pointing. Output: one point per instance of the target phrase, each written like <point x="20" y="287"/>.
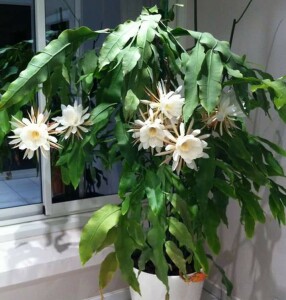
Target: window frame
<point x="47" y="209"/>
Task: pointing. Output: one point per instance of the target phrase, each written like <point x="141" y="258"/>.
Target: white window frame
<point x="47" y="209"/>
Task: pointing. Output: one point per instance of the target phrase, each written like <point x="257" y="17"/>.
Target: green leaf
<point x="176" y="255"/>
<point x="146" y="35"/>
<point x="124" y="248"/>
<point x="100" y="117"/>
<point x="279" y="88"/>
<point x="109" y="240"/>
<point x="225" y="187"/>
<point x="136" y="232"/>
<point x="233" y="73"/>
<point x="249" y="224"/>
<point x="204" y="181"/>
<point x="209" y="82"/>
<point x="251" y="204"/>
<point x="210" y="226"/>
<point x="182" y="208"/>
<point x="181" y="233"/>
<point x="121" y="132"/>
<point x="95" y="231"/>
<point x="110" y="86"/>
<point x="156" y="239"/>
<point x="193" y="68"/>
<point x="274" y="165"/>
<point x="276" y="206"/>
<point x="130" y="57"/>
<point x="130" y="104"/>
<point x="108" y="268"/>
<point x="273" y="146"/>
<point x="225" y="281"/>
<point x="155" y="198"/>
<point x="127" y="180"/>
<point x="5" y="122"/>
<point x="88" y="62"/>
<point x="116" y="41"/>
<point x="200" y="256"/>
<point x="55" y="53"/>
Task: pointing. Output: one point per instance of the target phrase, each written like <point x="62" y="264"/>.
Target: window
<point x="28" y="187"/>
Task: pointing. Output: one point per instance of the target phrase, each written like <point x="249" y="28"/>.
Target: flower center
<point x="185" y="146"/>
<point x="152" y="131"/>
<point x="35" y="135"/>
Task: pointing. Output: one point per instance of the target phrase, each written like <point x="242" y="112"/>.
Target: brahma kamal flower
<point x="185" y="147"/>
<point x="73" y="120"/>
<point x="34" y="133"/>
<point x="225" y="114"/>
<point x="170" y="104"/>
<point x="149" y="133"/>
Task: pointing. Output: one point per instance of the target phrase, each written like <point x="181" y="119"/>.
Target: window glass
<point x="19" y="178"/>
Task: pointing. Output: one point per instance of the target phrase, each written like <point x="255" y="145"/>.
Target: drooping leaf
<point x="225" y="280"/>
<point x="36" y="72"/>
<point x="4" y="122"/>
<point x="115" y="42"/>
<point x="110" y="86"/>
<point x="276" y="206"/>
<point x="129" y="59"/>
<point x="210" y="225"/>
<point x="249" y="223"/>
<point x="200" y="256"/>
<point x="181" y="233"/>
<point x="124" y="248"/>
<point x="130" y="104"/>
<point x="146" y="35"/>
<point x="193" y="68"/>
<point x="273" y="146"/>
<point x="209" y="82"/>
<point x="95" y="231"/>
<point x="156" y="238"/>
<point x="176" y="255"/>
<point x="279" y="88"/>
<point x="108" y="268"/>
<point x="154" y="192"/>
<point x="181" y="206"/>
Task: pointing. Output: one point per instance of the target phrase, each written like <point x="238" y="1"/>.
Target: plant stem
<point x="164" y="5"/>
<point x="196" y="15"/>
<point x="236" y="22"/>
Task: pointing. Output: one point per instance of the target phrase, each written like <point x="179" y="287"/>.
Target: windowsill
<point x="38" y="257"/>
<point x="41" y="225"/>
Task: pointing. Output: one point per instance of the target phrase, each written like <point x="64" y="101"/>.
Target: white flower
<point x="169" y="104"/>
<point x="149" y="133"/>
<point x="185" y="147"/>
<point x="33" y="133"/>
<point x="73" y="120"/>
<point x="226" y="113"/>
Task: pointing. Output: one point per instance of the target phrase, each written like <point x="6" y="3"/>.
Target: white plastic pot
<point x="153" y="289"/>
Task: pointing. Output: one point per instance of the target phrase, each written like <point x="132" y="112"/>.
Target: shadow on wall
<point x="249" y="263"/>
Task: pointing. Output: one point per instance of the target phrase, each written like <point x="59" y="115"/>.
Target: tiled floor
<point x="20" y="191"/>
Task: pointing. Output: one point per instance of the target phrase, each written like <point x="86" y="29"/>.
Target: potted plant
<point x="175" y="119"/>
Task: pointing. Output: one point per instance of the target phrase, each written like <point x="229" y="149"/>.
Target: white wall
<point x="257" y="267"/>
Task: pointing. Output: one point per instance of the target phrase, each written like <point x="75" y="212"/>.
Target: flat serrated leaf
<point x="116" y="41"/>
<point x="130" y="105"/>
<point x="108" y="268"/>
<point x="176" y="255"/>
<point x="95" y="231"/>
<point x="210" y="81"/>
<point x="193" y="68"/>
<point x="36" y="72"/>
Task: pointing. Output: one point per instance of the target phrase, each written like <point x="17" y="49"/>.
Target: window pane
<point x="97" y="181"/>
<point x="19" y="179"/>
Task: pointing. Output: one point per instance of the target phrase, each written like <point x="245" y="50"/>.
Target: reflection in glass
<point x="19" y="179"/>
